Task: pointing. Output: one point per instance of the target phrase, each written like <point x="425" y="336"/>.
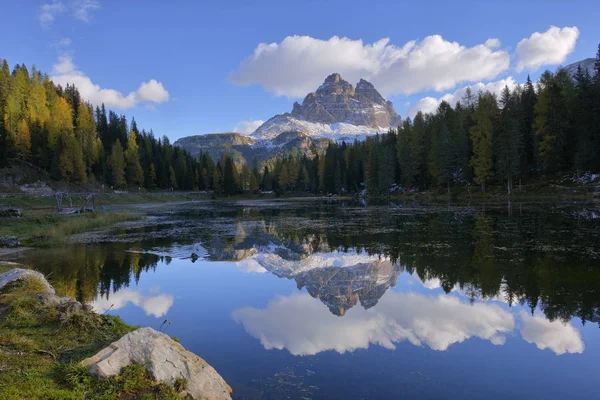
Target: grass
<point x="53" y="230"/>
<point x="48" y="203"/>
<point x="40" y="349"/>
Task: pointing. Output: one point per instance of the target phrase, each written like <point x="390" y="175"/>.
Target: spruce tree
<point x="116" y="162"/>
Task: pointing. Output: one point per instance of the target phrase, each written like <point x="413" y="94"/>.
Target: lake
<point x="340" y="300"/>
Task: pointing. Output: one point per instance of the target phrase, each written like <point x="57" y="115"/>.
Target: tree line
<point x="530" y="132"/>
<point x="52" y="128"/>
<point x="533" y="131"/>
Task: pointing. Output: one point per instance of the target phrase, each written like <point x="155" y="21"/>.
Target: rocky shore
<point x="165" y="361"/>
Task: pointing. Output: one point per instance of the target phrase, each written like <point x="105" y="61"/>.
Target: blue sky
<point x="186" y="67"/>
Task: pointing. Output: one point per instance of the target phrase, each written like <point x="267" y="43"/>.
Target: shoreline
<point x="49" y="348"/>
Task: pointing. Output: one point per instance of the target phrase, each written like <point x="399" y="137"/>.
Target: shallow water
<point x="403" y="300"/>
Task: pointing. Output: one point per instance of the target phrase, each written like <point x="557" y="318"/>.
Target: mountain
<point x="339" y="279"/>
<point x="587" y="64"/>
<point x="335" y="111"/>
<point x="243" y="149"/>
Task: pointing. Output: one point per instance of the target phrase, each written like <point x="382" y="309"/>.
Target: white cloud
<point x="558" y="337"/>
<point x="152" y="91"/>
<point x="83" y="9"/>
<point x="155" y="304"/>
<point x="299" y="64"/>
<point x="247" y="127"/>
<point x="250" y="266"/>
<point x="148" y="92"/>
<point x="49" y="11"/>
<point x="492" y="43"/>
<point x="549" y="48"/>
<point x="430" y="104"/>
<point x="303" y="326"/>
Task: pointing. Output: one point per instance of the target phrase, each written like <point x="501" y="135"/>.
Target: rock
<point x="338" y="101"/>
<point x="63" y="304"/>
<point x="20" y="273"/>
<point x="9" y="241"/>
<point x="165" y="359"/>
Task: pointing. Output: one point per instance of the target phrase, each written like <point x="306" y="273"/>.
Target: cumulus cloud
<point x="303" y="326"/>
<point x="299" y="64"/>
<point x="49" y="11"/>
<point x="65" y="72"/>
<point x="247" y="127"/>
<point x="556" y="336"/>
<point x="430" y="104"/>
<point x="156" y="304"/>
<point x="548" y="48"/>
<point x="83" y="9"/>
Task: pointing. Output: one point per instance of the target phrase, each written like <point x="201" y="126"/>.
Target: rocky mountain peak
<point x="333" y="78"/>
<point x="337" y="101"/>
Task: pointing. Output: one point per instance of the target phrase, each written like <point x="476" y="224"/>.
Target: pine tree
<point x="152" y="177"/>
<point x="229" y="179"/>
<point x="508" y="144"/>
<point x="172" y="178"/>
<point x="481" y="136"/>
<point x="116" y="163"/>
<point x="528" y="101"/>
<point x="405" y="154"/>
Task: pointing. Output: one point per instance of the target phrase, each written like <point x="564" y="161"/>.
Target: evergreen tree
<point x="172" y="178"/>
<point x="117" y="164"/>
<point x="229" y="179"/>
<point x="481" y="136"/>
<point x="508" y="144"/>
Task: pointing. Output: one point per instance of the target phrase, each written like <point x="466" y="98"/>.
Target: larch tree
<point x="134" y="171"/>
<point x="85" y="133"/>
<point x="23" y="138"/>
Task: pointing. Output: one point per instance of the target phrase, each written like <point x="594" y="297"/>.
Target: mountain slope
<point x="587" y="64"/>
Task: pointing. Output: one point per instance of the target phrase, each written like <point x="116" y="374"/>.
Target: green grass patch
<point x="53" y="230"/>
<point x="40" y="348"/>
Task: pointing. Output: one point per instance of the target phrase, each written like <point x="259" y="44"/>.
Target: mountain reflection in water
<point x="361" y="278"/>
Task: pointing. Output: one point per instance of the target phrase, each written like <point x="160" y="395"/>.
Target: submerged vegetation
<point x="40" y="347"/>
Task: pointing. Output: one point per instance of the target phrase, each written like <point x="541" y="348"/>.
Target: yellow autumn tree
<point x="62" y="141"/>
<point x="11" y="114"/>
<point x="133" y="169"/>
<point x="85" y="133"/>
<point x="23" y="139"/>
<point x="37" y="109"/>
<point x="60" y="125"/>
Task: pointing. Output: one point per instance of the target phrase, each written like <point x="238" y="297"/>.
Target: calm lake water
<point x="309" y="300"/>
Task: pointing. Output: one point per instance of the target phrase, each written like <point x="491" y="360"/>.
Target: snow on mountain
<point x="337" y="131"/>
<point x="336" y="110"/>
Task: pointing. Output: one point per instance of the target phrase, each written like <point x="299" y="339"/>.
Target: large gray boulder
<point x="48" y="297"/>
<point x="165" y="359"/>
<point x="20" y="273"/>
